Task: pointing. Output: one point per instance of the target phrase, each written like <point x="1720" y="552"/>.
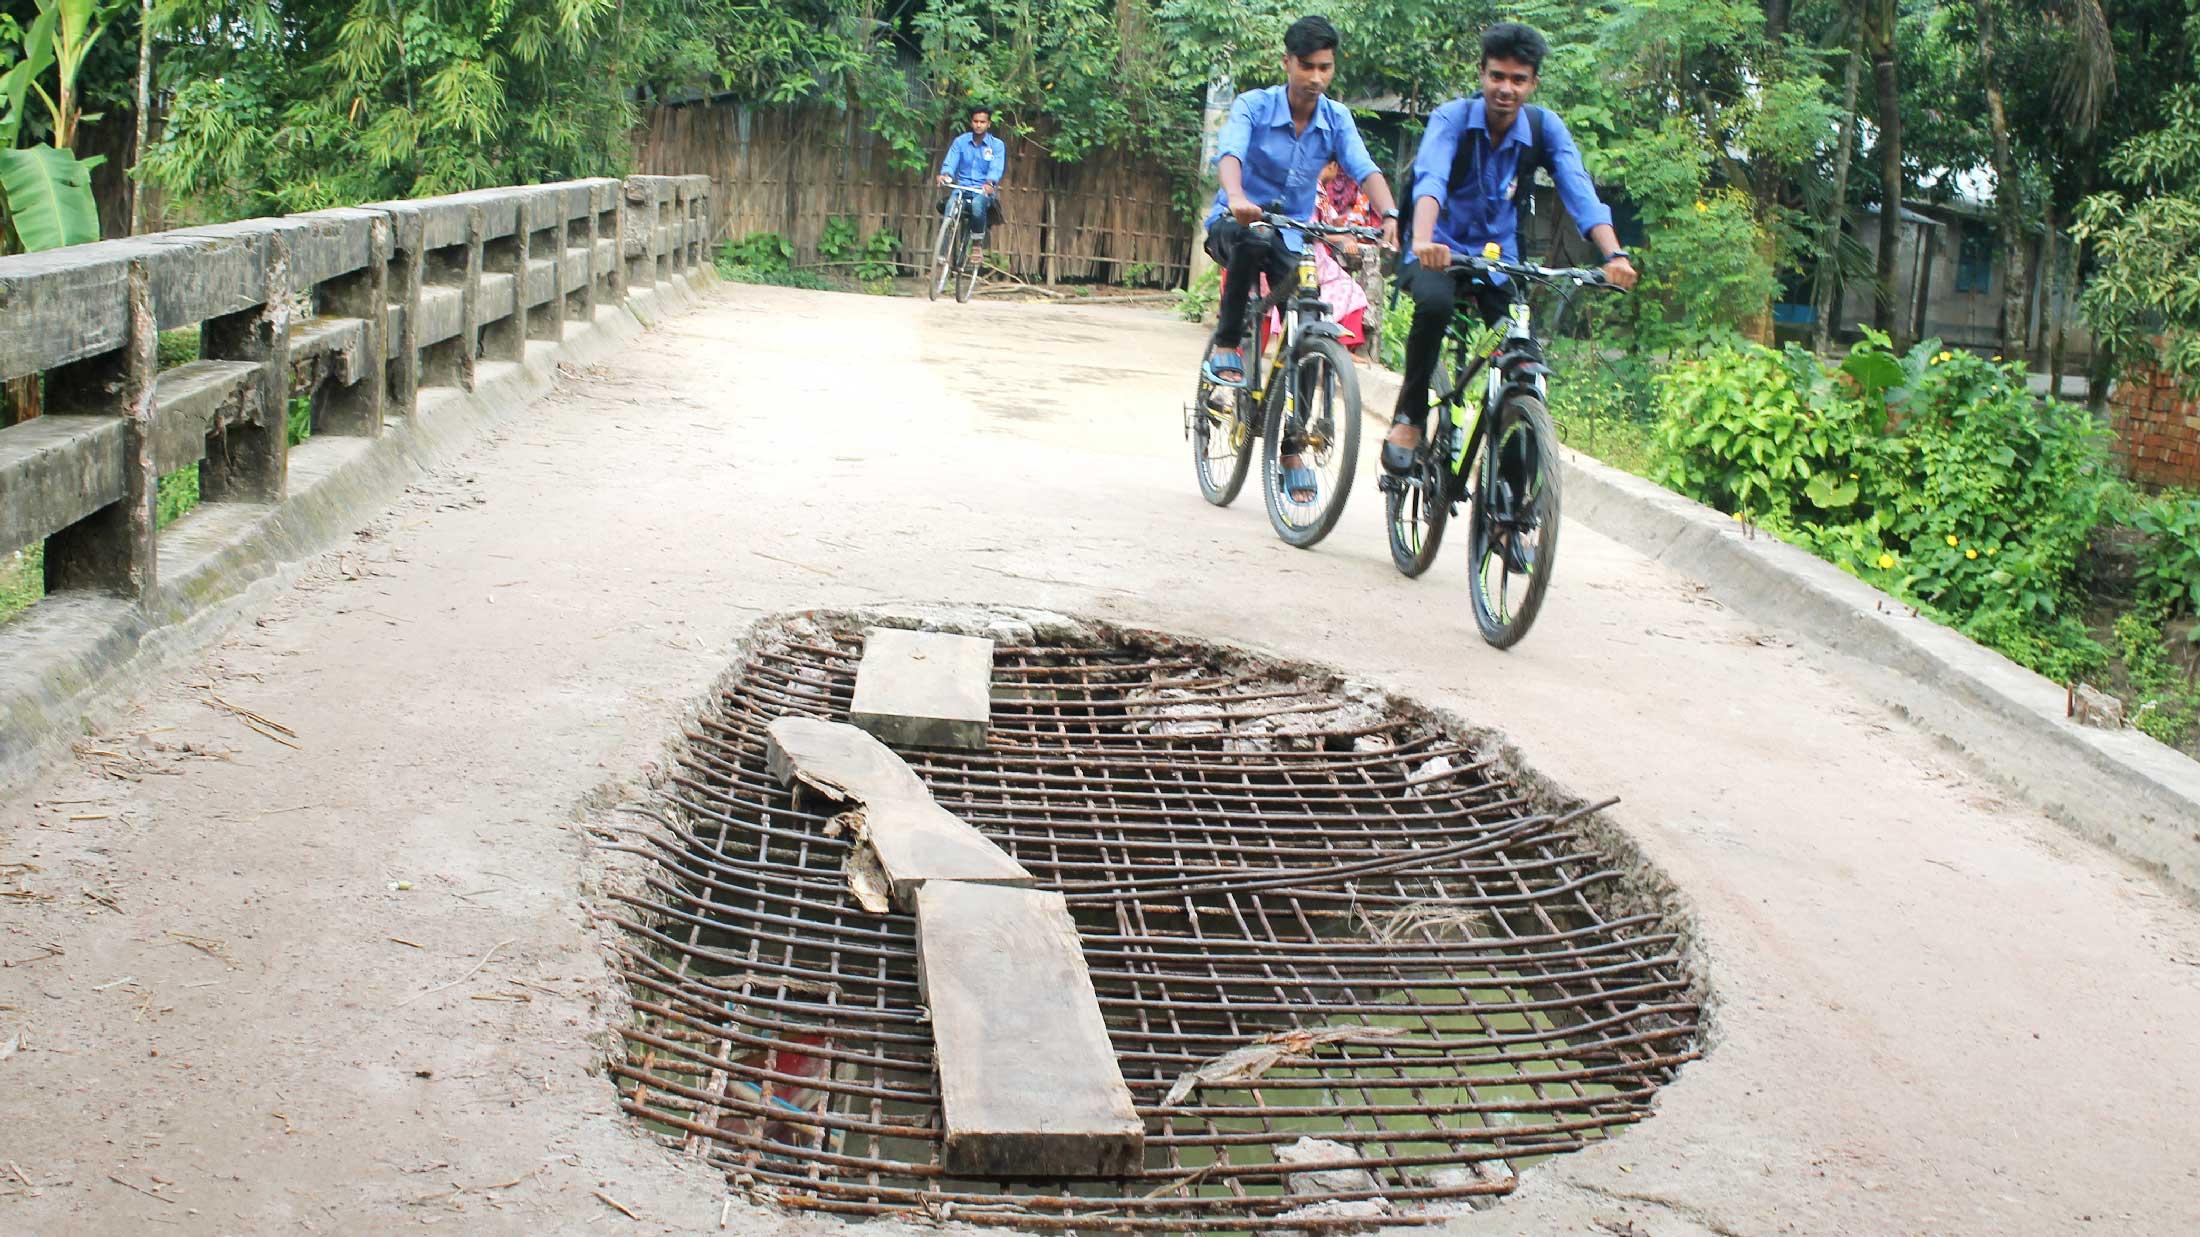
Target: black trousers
<point x="1242" y="254"/>
<point x="1435" y="299"/>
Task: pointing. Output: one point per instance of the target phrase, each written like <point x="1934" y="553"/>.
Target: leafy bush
<point x="764" y="258"/>
<point x="1602" y="407"/>
<point x="766" y="253"/>
<point x="2166" y="700"/>
<point x="2169" y="577"/>
<point x="1196" y="301"/>
<point x="1933" y="474"/>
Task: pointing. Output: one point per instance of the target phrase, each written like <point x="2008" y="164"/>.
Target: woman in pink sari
<point x="1339" y="201"/>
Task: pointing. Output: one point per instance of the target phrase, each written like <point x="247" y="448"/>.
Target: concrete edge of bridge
<point x="69" y="665"/>
<point x="2117" y="788"/>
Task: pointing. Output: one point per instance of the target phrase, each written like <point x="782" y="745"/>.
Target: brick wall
<point x="2157" y="431"/>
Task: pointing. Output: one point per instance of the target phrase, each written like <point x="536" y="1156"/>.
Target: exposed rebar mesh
<point x="1245" y="853"/>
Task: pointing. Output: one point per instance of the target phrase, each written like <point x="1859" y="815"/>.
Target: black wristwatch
<point x="1615" y="254"/>
<point x="1390" y="214"/>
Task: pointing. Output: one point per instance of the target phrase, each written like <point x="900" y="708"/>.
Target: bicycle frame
<point x="1518" y="364"/>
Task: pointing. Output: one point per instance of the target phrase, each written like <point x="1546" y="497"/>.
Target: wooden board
<point x="916" y="840"/>
<point x="1029" y="1085"/>
<point x="924" y="688"/>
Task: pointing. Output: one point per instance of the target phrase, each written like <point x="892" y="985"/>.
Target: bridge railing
<point x="358" y="309"/>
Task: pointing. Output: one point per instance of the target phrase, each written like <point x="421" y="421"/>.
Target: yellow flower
<point x="1886" y="562"/>
<point x="1992" y="550"/>
<point x="1970" y="554"/>
<point x="1701" y="207"/>
<point x="1997" y="358"/>
<point x="1737" y="517"/>
<point x="1953" y="541"/>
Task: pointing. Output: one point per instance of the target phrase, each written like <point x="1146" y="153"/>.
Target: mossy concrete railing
<point x="387" y="317"/>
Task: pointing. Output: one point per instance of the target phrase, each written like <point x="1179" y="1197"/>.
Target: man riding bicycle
<point x="975" y="161"/>
<point x="1273" y="148"/>
<point x="1473" y="171"/>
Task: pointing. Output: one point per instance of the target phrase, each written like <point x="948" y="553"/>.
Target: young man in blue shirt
<point x="1273" y="148"/>
<point x="975" y="160"/>
<point x="1465" y="180"/>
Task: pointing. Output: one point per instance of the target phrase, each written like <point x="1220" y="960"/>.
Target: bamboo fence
<point x="1109" y="218"/>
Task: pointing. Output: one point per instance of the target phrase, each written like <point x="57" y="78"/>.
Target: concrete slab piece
<point x="924" y="688"/>
<point x="1029" y="1085"/>
<point x="916" y="840"/>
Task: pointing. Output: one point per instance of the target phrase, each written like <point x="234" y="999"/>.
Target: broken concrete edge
<point x="2120" y="789"/>
<point x="69" y="665"/>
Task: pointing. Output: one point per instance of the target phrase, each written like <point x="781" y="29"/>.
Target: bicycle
<point x="1497" y="454"/>
<point x="951" y="252"/>
<point x="1313" y="417"/>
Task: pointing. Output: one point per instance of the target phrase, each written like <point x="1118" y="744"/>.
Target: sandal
<point x="1226" y="361"/>
<point x="1397" y="460"/>
<point x="1298" y="479"/>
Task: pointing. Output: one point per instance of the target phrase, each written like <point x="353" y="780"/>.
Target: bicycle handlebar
<point x="1580" y="276"/>
<point x="1317" y="228"/>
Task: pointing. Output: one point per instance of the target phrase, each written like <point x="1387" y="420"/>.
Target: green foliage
<point x="22" y="580"/>
<point x="764" y="258"/>
<point x="871" y="260"/>
<point x="1933" y="474"/>
<point x="1601" y="406"/>
<point x="46" y="191"/>
<point x="2166" y="698"/>
<point x="2143" y="301"/>
<point x="1196" y="301"/>
<point x="48" y="198"/>
<point x="764" y="252"/>
<point x="2169" y="576"/>
<point x="178" y="347"/>
<point x="176" y="493"/>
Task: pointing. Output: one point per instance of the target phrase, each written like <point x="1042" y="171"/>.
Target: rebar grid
<point x="1244" y="854"/>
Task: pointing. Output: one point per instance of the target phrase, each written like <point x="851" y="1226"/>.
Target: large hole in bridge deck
<point x="1495" y="1008"/>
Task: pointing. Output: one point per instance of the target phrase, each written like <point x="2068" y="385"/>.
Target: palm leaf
<point x="48" y="193"/>
<point x="15" y="84"/>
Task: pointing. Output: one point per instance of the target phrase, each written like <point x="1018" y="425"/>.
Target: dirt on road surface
<point x="302" y="942"/>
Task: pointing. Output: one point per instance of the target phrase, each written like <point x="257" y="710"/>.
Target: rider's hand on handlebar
<point x="1621" y="274"/>
<point x="1389" y="242"/>
<point x="1432" y="255"/>
<point x="1244" y="210"/>
<point x="943" y="180"/>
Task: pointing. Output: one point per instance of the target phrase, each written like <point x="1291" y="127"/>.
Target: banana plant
<point x="46" y="191"/>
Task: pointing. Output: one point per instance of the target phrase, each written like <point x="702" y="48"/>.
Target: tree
<point x="2143" y="303"/>
<point x="1877" y="19"/>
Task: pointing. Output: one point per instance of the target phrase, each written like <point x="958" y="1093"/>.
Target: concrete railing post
<point x="349" y="401"/>
<point x="542" y="287"/>
<point x="503" y="260"/>
<point x="401" y="319"/>
<point x="249" y="461"/>
<point x="113" y="549"/>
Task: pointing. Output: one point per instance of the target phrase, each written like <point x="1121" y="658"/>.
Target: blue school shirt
<point x="1472" y="215"/>
<point x="973" y="164"/>
<point x="1281" y="165"/>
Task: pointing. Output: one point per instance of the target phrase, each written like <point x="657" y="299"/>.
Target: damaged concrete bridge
<point x="676" y="757"/>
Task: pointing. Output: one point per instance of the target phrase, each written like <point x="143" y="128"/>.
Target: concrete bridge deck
<point x="344" y="980"/>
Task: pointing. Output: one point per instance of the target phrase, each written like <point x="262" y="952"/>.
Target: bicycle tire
<point x="1417" y="506"/>
<point x="1524" y="425"/>
<point x="1327" y="425"/>
<point x="1222" y="443"/>
<point x="941" y="248"/>
<point x="966" y="271"/>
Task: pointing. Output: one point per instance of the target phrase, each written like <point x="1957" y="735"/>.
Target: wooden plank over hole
<point x="1029" y="1084"/>
<point x="916" y="839"/>
<point x="924" y="688"/>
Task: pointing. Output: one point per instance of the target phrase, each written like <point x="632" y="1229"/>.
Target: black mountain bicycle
<point x="951" y="252"/>
<point x="1301" y="398"/>
<point x="1493" y="449"/>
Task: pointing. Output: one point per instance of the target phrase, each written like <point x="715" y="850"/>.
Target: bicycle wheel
<point x="1417" y="505"/>
<point x="1512" y="525"/>
<point x="942" y="250"/>
<point x="1322" y="430"/>
<point x="1222" y="440"/>
<point x="966" y="271"/>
